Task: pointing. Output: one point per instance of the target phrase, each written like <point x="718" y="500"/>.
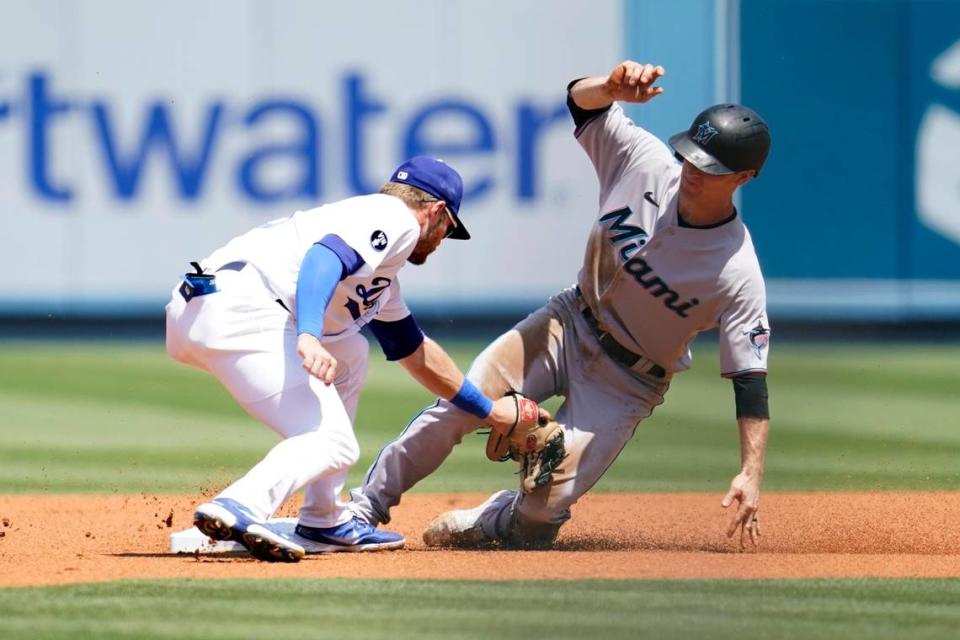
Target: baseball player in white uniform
<point x="276" y="315"/>
<point x="667" y="258"/>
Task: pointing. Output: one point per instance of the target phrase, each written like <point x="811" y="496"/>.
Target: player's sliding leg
<point x="525" y="359"/>
<point x="604" y="404"/>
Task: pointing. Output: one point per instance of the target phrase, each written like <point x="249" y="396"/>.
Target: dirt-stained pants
<point x="552" y="352"/>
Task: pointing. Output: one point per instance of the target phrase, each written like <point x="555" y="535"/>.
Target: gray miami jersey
<point x="652" y="283"/>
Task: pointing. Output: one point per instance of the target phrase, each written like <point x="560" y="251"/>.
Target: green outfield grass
<point x="395" y="610"/>
<point x="115" y="417"/>
<point x="121" y="417"/>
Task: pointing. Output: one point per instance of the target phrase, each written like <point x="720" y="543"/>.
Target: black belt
<point x="616" y="350"/>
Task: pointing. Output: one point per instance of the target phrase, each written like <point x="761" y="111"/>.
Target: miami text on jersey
<point x="637" y="266"/>
<point x="624" y="231"/>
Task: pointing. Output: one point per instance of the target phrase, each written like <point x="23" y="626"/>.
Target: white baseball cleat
<point x="465" y="527"/>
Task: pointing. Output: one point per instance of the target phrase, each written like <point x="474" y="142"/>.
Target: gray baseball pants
<point x="552" y="352"/>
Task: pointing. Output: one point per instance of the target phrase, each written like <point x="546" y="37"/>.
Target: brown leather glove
<point x="533" y="441"/>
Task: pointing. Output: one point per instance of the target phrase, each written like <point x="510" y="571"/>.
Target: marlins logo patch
<point x="759" y="337"/>
<point x="705" y="133"/>
<point x="378" y="240"/>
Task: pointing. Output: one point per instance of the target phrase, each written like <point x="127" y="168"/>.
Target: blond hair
<point x="411" y="196"/>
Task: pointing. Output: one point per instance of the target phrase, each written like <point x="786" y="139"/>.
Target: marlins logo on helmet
<point x="705" y="133"/>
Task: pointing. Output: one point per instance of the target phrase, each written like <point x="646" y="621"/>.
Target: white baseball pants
<point x="242" y="336"/>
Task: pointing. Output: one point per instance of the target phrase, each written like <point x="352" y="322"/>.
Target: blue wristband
<point x="471" y="400"/>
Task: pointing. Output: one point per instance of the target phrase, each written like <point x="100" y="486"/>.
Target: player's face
<point x="695" y="183"/>
<point x="439" y="226"/>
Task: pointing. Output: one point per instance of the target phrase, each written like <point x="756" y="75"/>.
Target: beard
<point x="428" y="243"/>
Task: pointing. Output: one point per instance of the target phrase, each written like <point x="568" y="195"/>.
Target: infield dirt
<point x="47" y="540"/>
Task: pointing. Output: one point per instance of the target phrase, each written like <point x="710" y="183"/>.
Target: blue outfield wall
<point x="858" y="212"/>
<point x="827" y="82"/>
<point x="682" y="36"/>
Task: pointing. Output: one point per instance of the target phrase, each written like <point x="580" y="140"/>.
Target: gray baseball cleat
<point x="468" y="528"/>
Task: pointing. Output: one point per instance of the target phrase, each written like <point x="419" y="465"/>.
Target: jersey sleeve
<point x="395" y="307"/>
<point x="381" y="229"/>
<point x="616" y="145"/>
<point x="745" y="331"/>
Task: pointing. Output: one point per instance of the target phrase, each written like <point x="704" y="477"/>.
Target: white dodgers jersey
<point x="652" y="283"/>
<point x="380" y="228"/>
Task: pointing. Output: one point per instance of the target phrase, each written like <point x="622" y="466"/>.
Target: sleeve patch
<point x="759" y="337"/>
<point x="378" y="240"/>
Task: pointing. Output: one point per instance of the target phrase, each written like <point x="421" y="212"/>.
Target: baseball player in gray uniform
<point x="667" y="258"/>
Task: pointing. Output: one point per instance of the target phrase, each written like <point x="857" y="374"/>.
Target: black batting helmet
<point x="724" y="139"/>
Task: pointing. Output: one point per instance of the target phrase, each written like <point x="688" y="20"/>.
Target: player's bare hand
<point x="634" y="82"/>
<point x="317" y="361"/>
<point x="503" y="417"/>
<point x="745" y="491"/>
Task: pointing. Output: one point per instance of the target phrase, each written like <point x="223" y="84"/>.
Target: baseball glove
<point x="537" y="444"/>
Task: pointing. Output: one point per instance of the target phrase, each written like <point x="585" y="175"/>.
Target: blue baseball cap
<point x="438" y="179"/>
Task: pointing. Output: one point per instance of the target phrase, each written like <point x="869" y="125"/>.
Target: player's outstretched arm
<point x="628" y="82"/>
<point x="745" y="486"/>
<point x="433" y="368"/>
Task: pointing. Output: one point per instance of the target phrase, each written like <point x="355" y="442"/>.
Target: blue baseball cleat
<point x="225" y="519"/>
<point x="352" y="535"/>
